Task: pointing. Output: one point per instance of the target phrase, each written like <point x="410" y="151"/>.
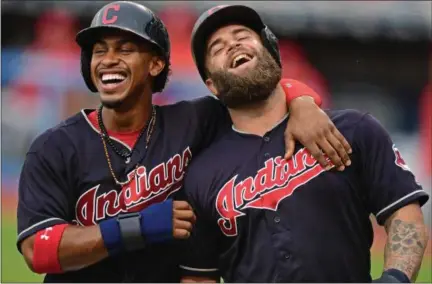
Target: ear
<point x="210" y="85"/>
<point x="157" y="64"/>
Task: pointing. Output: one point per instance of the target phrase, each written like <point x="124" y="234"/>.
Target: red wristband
<point x="45" y="249"/>
<point x="294" y="89"/>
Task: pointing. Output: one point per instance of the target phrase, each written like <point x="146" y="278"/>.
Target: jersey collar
<point x="276" y="125"/>
<point x="85" y="112"/>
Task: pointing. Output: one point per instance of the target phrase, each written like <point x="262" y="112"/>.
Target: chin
<point x="240" y="73"/>
<point x="112" y="101"/>
<point x="112" y="104"/>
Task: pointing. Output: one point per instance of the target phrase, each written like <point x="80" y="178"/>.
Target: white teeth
<point x="107" y="77"/>
<point x="239" y="57"/>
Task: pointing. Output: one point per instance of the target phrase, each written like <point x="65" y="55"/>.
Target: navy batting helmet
<point x="219" y="16"/>
<point x="130" y="17"/>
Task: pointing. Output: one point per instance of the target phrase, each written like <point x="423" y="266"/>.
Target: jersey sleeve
<point x="212" y="118"/>
<point x="390" y="183"/>
<point x="200" y="256"/>
<point x="43" y="190"/>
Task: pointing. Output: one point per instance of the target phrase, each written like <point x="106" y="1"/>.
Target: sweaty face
<point x="241" y="70"/>
<point x="121" y="67"/>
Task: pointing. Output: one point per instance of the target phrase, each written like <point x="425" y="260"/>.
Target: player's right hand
<point x="319" y="135"/>
<point x="183" y="219"/>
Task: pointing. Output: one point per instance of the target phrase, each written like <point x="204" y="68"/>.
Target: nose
<point x="110" y="58"/>
<point x="233" y="44"/>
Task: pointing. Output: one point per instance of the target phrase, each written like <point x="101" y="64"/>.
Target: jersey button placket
<point x="266" y="140"/>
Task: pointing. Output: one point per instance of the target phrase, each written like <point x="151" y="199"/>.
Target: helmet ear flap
<point x="270" y="42"/>
<point x="85" y="70"/>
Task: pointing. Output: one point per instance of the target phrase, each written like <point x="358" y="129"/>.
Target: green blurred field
<point x="14" y="268"/>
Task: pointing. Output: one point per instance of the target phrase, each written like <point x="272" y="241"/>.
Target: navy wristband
<point x="399" y="275"/>
<point x="111" y="235"/>
<point x="157" y="222"/>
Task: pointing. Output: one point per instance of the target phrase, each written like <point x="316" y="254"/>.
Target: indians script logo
<point x="274" y="182"/>
<point x="148" y="188"/>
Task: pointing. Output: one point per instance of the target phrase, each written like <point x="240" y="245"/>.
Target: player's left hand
<point x="311" y="126"/>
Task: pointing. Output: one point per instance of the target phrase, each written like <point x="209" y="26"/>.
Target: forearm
<point x="299" y="101"/>
<point x="406" y="242"/>
<point x="158" y="223"/>
<point x="81" y="247"/>
<point x="67" y="247"/>
<point x="63" y="248"/>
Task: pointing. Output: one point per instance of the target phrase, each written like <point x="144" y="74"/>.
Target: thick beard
<point x="236" y="91"/>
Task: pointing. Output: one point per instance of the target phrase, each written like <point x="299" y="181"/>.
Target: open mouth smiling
<point x="111" y="80"/>
<point x="240" y="59"/>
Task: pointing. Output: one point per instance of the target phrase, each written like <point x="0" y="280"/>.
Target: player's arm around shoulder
<point x="308" y="124"/>
<point x="211" y="118"/>
<point x="312" y="127"/>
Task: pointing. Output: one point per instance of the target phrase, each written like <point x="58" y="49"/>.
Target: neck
<point x="131" y="119"/>
<point x="260" y="118"/>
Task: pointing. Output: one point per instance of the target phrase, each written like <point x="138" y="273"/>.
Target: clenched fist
<point x="183" y="219"/>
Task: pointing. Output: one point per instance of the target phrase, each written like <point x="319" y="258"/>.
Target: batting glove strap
<point x="157" y="222"/>
<point x="111" y="235"/>
<point x="393" y="276"/>
<point x="130" y="230"/>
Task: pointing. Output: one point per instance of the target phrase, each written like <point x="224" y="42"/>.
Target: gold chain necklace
<point x="148" y="136"/>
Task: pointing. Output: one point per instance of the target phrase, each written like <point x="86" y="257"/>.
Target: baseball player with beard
<point x="265" y="219"/>
<point x="96" y="191"/>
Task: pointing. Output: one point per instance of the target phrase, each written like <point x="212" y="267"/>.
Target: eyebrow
<point x="218" y="40"/>
<point x="121" y="41"/>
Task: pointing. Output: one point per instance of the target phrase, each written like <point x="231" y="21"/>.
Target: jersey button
<point x="266" y="139"/>
<point x="277" y="219"/>
<point x="287" y="256"/>
<point x="266" y="155"/>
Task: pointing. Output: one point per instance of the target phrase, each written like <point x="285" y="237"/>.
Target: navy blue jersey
<point x="263" y="219"/>
<point x="66" y="179"/>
